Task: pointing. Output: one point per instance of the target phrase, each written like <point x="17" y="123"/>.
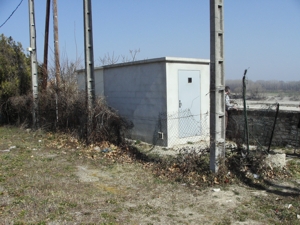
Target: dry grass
<point x="48" y="178"/>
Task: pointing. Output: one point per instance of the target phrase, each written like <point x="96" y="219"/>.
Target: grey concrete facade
<point x="146" y="93"/>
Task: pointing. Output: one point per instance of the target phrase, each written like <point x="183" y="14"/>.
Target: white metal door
<point x="189" y="103"/>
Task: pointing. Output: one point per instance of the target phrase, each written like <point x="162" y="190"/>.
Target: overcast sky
<point x="261" y="34"/>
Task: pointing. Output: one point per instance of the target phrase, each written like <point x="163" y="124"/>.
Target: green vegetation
<point x="14" y="69"/>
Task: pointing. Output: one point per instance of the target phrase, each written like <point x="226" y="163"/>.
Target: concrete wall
<point x="138" y="92"/>
<point x="146" y="93"/>
<point x="173" y="98"/>
<point x="286" y="132"/>
<point x="99" y="81"/>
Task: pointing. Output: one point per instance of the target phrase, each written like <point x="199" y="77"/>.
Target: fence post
<point x="276" y="115"/>
<point x="245" y="111"/>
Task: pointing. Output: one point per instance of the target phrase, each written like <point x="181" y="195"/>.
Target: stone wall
<point x="260" y="126"/>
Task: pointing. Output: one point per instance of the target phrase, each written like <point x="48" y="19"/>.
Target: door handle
<point x="180" y="104"/>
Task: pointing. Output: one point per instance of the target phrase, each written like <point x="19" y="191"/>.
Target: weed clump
<point x="64" y="109"/>
<point x="193" y="168"/>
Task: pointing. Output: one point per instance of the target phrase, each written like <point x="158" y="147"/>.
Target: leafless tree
<point x="108" y="59"/>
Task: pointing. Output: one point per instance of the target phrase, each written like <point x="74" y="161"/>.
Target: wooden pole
<point x="46" y="40"/>
<point x="56" y="43"/>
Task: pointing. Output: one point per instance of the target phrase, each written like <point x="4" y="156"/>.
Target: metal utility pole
<point x="34" y="66"/>
<point x="89" y="62"/>
<point x="45" y="65"/>
<point x="217" y="84"/>
<point x="89" y="53"/>
<point x="56" y="45"/>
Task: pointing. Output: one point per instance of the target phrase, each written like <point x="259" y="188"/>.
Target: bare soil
<point x="53" y="179"/>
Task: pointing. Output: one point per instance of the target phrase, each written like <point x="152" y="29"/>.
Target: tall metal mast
<point x="217" y="84"/>
<point x="89" y="62"/>
<point x="34" y="66"/>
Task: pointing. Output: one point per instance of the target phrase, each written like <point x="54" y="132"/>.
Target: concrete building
<point x="167" y="99"/>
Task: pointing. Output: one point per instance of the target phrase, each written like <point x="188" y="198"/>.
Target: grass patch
<point x="41" y="183"/>
<point x="294" y="167"/>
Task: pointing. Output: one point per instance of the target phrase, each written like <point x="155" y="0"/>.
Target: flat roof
<point x="154" y="60"/>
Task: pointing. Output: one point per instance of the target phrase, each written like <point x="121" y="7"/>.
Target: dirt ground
<point x="46" y="181"/>
<point x="161" y="202"/>
<point x="175" y="203"/>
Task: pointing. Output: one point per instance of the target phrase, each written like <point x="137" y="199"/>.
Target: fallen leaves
<point x="174" y="168"/>
<point x="216" y="181"/>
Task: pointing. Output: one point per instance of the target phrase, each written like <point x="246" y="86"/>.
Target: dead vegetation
<point x="51" y="176"/>
<point x="48" y="178"/>
<point x="64" y="109"/>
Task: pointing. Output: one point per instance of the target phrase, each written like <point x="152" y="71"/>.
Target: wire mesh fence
<point x="260" y="127"/>
<point x="183" y="129"/>
<point x="263" y="126"/>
